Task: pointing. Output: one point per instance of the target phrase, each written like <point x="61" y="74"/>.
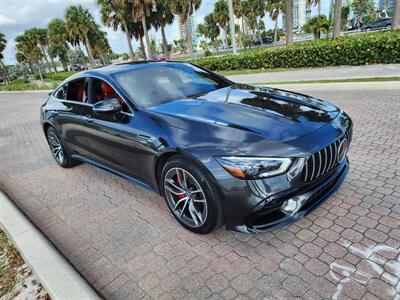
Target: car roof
<point x="122" y="67"/>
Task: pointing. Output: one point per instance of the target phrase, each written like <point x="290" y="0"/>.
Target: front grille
<point x="326" y="159"/>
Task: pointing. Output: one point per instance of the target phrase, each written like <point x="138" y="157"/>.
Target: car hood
<point x="272" y="113"/>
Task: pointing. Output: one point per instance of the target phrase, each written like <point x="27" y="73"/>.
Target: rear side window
<point x="62" y="92"/>
<point x="73" y="91"/>
<point x="76" y="90"/>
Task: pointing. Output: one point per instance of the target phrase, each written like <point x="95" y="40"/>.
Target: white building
<point x="192" y="24"/>
<point x="301" y="14"/>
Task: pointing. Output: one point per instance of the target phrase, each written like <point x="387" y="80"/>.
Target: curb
<point x="340" y="86"/>
<point x="58" y="277"/>
<point x="25" y="92"/>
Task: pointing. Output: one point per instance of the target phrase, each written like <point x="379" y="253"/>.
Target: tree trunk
<point x="337" y="18"/>
<point x="259" y="33"/>
<point x="319" y="7"/>
<point x="232" y="26"/>
<point x="289" y="22"/>
<point x="165" y="43"/>
<point x="396" y="15"/>
<point x="40" y="72"/>
<point x="142" y="48"/>
<point x="276" y="31"/>
<point x="89" y="49"/>
<point x="189" y="39"/>
<point x="52" y="60"/>
<point x="146" y="36"/>
<point x="129" y="40"/>
<point x="64" y="64"/>
<point x="45" y="58"/>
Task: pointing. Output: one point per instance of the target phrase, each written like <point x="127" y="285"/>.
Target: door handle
<point x="88" y="118"/>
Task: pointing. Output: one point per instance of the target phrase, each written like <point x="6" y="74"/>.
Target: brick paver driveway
<point x="124" y="241"/>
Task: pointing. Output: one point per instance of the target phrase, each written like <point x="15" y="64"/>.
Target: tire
<point x="60" y="153"/>
<point x="201" y="212"/>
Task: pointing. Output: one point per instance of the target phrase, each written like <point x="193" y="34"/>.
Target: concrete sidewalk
<point x="329" y="73"/>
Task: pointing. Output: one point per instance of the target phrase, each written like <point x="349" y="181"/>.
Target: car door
<point x="67" y="110"/>
<point x="112" y="137"/>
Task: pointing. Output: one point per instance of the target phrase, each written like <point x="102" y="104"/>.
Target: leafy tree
<point x="345" y="16"/>
<point x="58" y="37"/>
<point x="316" y="25"/>
<point x="3" y="69"/>
<point x="275" y="8"/>
<point x="28" y="50"/>
<point x="141" y="9"/>
<point x="209" y="28"/>
<point x="44" y="45"/>
<point x="101" y="47"/>
<point x="162" y="17"/>
<point x="79" y="24"/>
<point x="117" y="15"/>
<point x="185" y="8"/>
<point x="221" y="16"/>
<point x="365" y="9"/>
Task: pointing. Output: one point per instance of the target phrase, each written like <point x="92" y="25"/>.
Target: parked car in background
<point x="78" y="67"/>
<point x="252" y="158"/>
<point x="159" y="57"/>
<point x="265" y="41"/>
<point x="381" y="24"/>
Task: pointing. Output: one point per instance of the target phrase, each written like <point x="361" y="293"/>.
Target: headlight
<point x="254" y="167"/>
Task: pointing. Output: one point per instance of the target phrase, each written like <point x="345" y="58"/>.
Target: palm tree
<point x="239" y="10"/>
<point x="221" y="16"/>
<point x="163" y="16"/>
<point x="3" y="70"/>
<point x="209" y="28"/>
<point x="140" y="10"/>
<point x="101" y="47"/>
<point x="289" y="21"/>
<point x="185" y="8"/>
<point x="117" y="15"/>
<point x="232" y="25"/>
<point x="316" y="25"/>
<point x="79" y="23"/>
<point x="396" y="15"/>
<point x="58" y="37"/>
<point x="28" y="50"/>
<point x="274" y="8"/>
<point x="315" y="3"/>
<point x="337" y="18"/>
<point x="44" y="45"/>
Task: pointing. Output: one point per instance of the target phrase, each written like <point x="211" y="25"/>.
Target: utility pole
<point x="232" y="26"/>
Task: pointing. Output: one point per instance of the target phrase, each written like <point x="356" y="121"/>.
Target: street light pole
<point x="232" y="26"/>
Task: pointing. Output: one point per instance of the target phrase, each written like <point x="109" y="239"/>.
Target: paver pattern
<point x="126" y="244"/>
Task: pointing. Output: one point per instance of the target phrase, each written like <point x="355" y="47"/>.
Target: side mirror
<point x="108" y="106"/>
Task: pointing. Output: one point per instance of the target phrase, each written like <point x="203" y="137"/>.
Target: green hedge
<point x="368" y="48"/>
<point x="59" y="76"/>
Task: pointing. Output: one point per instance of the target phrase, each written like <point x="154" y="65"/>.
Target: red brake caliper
<point x="177" y="181"/>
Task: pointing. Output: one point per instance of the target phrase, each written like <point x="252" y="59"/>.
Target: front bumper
<point x="272" y="216"/>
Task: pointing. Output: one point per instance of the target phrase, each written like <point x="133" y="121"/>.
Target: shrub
<point x="59" y="76"/>
<point x="368" y="48"/>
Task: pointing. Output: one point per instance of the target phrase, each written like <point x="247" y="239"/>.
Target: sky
<point x="18" y="15"/>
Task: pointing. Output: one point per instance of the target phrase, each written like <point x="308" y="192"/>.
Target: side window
<point x="101" y="90"/>
<point x="62" y="92"/>
<point x="76" y="90"/>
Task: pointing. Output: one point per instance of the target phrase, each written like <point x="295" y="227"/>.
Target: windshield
<point x="157" y="83"/>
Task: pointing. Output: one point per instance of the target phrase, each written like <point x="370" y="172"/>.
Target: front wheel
<point x="192" y="195"/>
<point x="59" y="152"/>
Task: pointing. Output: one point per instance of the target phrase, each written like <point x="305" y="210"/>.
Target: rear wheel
<point x="59" y="152"/>
<point x="191" y="195"/>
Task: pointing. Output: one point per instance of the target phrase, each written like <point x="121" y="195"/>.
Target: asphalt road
<point x="339" y="72"/>
<point x="126" y="244"/>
